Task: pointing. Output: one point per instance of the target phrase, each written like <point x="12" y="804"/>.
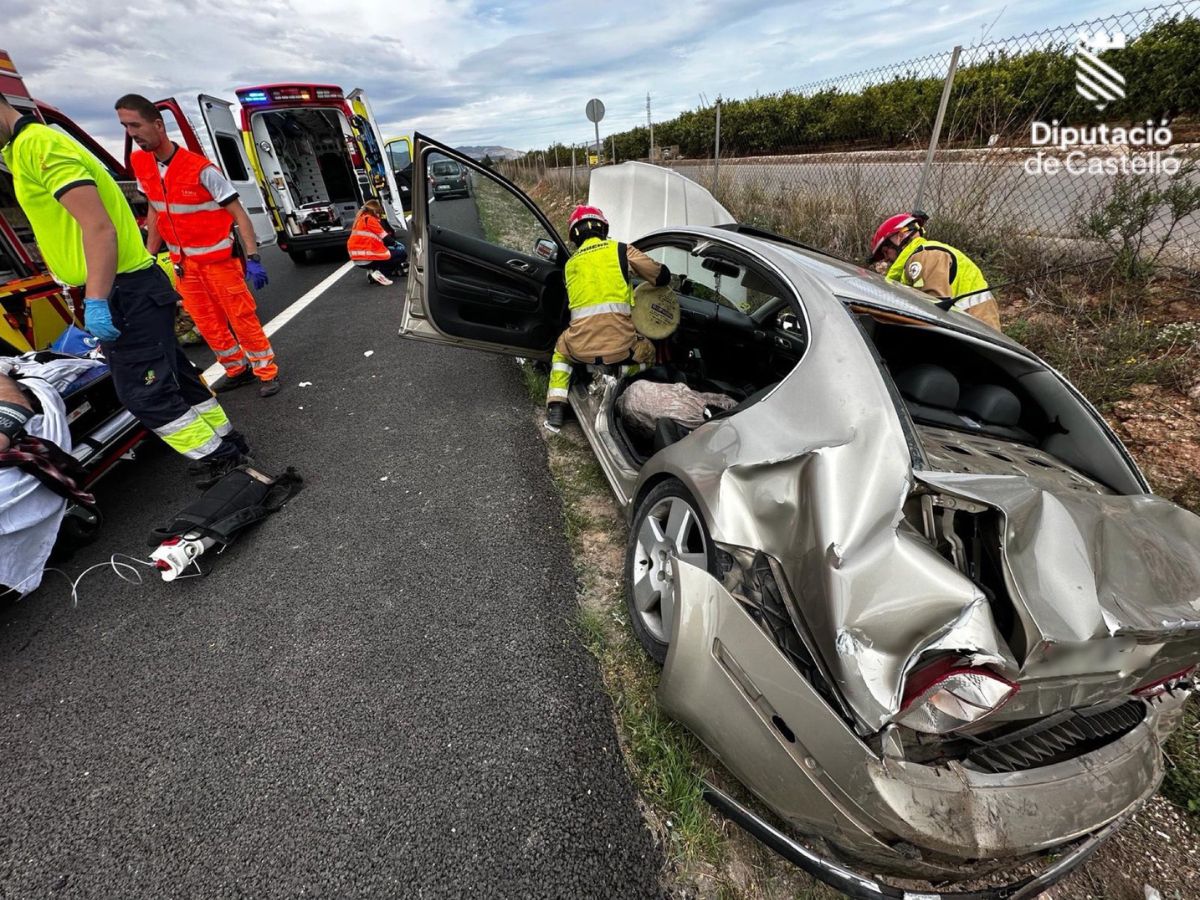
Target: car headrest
<point x="992" y="404"/>
<point x="929" y="385"/>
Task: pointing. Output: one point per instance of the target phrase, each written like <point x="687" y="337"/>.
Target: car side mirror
<point x="546" y="249"/>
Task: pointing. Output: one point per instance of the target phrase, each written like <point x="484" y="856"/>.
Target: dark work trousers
<point x="152" y="376"/>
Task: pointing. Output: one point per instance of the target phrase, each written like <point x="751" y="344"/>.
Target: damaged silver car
<point x="905" y="582"/>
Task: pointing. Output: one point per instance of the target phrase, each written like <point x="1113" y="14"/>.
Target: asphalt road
<point x="377" y="693"/>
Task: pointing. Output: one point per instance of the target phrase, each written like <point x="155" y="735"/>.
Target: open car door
<point x="230" y="156"/>
<point x="487" y="269"/>
<point x="372" y="142"/>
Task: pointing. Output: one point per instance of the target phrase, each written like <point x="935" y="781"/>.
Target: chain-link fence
<point x="1059" y="135"/>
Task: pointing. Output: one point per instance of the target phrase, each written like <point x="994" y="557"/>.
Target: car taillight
<point x="1163" y="685"/>
<point x="943" y="696"/>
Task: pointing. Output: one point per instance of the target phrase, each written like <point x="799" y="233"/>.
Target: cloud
<point x="478" y="71"/>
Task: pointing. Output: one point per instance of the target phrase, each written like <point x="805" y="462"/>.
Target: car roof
<point x="843" y="279"/>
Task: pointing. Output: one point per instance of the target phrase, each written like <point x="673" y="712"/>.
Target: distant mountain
<point x="493" y="152"/>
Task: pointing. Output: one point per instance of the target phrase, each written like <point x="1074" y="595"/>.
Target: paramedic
<point x="193" y="209"/>
<point x="89" y="238"/>
<point x="600" y="295"/>
<point x="373" y="246"/>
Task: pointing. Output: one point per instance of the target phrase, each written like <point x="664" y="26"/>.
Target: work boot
<point x="239" y="440"/>
<point x="378" y="277"/>
<point x="269" y="388"/>
<point x="210" y="471"/>
<point x="554" y="415"/>
<point x="232" y="383"/>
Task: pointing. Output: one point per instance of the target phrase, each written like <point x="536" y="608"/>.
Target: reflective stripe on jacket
<point x="366" y="239"/>
<point x="191" y="223"/>
<point x="595" y="278"/>
<point x="965" y="277"/>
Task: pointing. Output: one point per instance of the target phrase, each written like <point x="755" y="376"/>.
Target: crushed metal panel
<point x="639" y="198"/>
<point x="816" y="476"/>
<point x="1087" y="566"/>
<point x="727" y="681"/>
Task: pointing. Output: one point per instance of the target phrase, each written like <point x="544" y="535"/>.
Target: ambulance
<point x="36" y="312"/>
<point x="35" y="307"/>
<point x="304" y="158"/>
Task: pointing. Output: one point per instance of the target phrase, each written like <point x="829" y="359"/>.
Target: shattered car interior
<point x="904" y="581"/>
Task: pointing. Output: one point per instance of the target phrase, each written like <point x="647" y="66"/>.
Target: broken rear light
<point x="943" y="696"/>
<point x="1165" y="684"/>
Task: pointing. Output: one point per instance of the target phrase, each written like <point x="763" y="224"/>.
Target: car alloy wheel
<point x="667" y="527"/>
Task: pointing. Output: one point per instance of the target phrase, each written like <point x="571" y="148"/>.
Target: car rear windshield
<point x="444" y="168"/>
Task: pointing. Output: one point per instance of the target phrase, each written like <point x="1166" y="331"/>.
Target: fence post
<point x="717" y="151"/>
<point x="937" y="128"/>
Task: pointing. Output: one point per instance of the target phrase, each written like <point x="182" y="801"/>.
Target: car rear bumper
<point x="867" y="887"/>
<point x="315" y="241"/>
<point x="726" y="680"/>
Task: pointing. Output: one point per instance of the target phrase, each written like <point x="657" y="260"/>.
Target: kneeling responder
<point x="372" y="245"/>
<point x="193" y="208"/>
<point x="600" y="295"/>
<point x="937" y="269"/>
<point x="89" y="238"/>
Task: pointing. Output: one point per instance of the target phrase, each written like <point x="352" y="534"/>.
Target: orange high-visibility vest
<point x="193" y="225"/>
<point x="366" y="239"/>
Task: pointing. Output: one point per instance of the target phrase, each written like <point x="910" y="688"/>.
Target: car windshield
<point x="444" y="168"/>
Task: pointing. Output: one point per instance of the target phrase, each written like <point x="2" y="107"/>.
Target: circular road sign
<point x="594" y="110"/>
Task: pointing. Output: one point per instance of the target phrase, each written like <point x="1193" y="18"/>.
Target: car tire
<point x="299" y="257"/>
<point x="654" y="538"/>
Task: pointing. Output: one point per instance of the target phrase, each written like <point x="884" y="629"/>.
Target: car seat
<point x="932" y="394"/>
<point x="997" y="409"/>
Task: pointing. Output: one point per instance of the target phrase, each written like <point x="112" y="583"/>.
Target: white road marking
<point x="213" y="372"/>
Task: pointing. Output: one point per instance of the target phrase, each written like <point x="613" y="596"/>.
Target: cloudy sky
<point x="516" y="73"/>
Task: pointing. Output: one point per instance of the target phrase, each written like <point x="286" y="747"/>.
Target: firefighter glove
<point x="97" y="318"/>
<point x="256" y="273"/>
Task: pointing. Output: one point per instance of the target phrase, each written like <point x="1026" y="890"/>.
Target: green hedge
<point x="1001" y="94"/>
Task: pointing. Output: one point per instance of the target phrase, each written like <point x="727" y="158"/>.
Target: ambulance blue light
<point x="255" y="97"/>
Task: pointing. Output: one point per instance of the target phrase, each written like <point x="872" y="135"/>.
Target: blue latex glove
<point x="97" y="318"/>
<point x="257" y="274"/>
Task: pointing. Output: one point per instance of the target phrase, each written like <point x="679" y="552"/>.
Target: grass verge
<point x="706" y="856"/>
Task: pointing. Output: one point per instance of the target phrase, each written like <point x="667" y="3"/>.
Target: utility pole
<point x="556" y="156"/>
<point x="572" y="173"/>
<point x="717" y="151"/>
<point x="613" y="139"/>
<point x="650" y="125"/>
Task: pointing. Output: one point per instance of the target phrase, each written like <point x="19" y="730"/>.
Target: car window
<point x="398" y="154"/>
<point x="718" y="277"/>
<point x="444" y="168"/>
<point x="484" y="208"/>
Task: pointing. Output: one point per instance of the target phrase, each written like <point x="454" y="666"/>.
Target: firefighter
<point x="193" y="209"/>
<point x="89" y="238"/>
<point x="600" y="294"/>
<point x="373" y="246"/>
<point x="937" y="269"/>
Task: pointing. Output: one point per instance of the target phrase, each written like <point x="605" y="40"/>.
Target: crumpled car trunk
<point x="1105" y="589"/>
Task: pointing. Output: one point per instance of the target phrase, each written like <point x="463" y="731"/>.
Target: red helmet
<point x="586" y="221"/>
<point x="896" y="224"/>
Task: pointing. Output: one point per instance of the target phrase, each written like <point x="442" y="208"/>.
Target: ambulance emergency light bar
<point x="289" y="93"/>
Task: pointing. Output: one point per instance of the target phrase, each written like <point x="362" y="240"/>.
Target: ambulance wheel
<point x="78" y="529"/>
<point x="299" y="257"/>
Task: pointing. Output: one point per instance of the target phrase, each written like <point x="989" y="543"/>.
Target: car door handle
<point x="520" y="265"/>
